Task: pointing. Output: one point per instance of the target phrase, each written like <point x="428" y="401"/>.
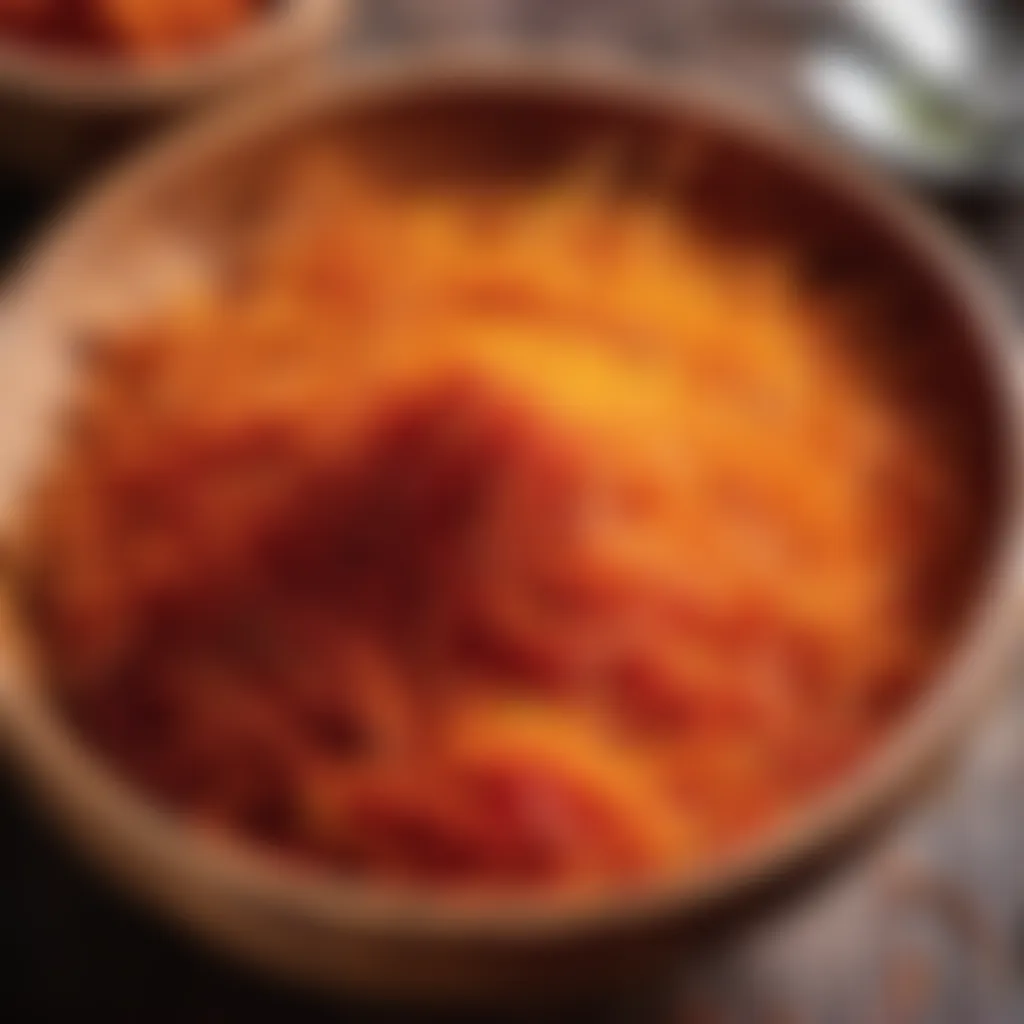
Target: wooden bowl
<point x="336" y="935"/>
<point x="57" y="116"/>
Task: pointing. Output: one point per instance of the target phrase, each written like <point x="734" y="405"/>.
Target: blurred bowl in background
<point x="60" y="112"/>
<point x="350" y="938"/>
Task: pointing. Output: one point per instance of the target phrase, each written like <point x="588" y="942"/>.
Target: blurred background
<point x="930" y="928"/>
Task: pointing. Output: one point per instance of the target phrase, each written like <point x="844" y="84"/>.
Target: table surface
<point x="929" y="929"/>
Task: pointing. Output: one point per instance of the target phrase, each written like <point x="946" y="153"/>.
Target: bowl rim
<point x="123" y="86"/>
<point x="52" y="758"/>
